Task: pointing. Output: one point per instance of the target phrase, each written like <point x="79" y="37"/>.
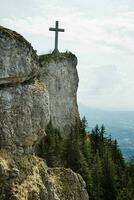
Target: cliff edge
<point x="59" y="73"/>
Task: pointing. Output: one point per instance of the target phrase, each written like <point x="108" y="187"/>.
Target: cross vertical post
<point x="56" y="35"/>
<point x="56" y="29"/>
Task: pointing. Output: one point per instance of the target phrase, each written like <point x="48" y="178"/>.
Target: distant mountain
<point x="118" y="124"/>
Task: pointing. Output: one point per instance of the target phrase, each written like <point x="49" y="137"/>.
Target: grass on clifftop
<point x="56" y="56"/>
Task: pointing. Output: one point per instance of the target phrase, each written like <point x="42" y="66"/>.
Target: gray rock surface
<point x="35" y="181"/>
<point x="24" y="100"/>
<point x="18" y="60"/>
<point x="24" y="114"/>
<point x="59" y="73"/>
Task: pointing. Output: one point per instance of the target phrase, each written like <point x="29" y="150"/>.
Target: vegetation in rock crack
<point x="96" y="156"/>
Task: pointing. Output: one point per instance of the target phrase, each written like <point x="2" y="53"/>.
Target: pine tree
<point x="109" y="192"/>
<point x="96" y="157"/>
<point x="124" y="195"/>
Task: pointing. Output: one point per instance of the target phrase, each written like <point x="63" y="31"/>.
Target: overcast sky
<point x="99" y="32"/>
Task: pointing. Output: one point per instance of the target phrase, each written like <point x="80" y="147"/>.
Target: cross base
<point x="55" y="51"/>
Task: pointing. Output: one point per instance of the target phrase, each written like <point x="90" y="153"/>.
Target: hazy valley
<point x="118" y="124"/>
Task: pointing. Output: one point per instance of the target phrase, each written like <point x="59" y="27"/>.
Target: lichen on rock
<point x="36" y="181"/>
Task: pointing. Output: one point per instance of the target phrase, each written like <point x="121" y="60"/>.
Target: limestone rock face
<point x="18" y="60"/>
<point x="24" y="115"/>
<point x="59" y="73"/>
<point x="28" y="178"/>
<point x="25" y="86"/>
<point x="24" y="100"/>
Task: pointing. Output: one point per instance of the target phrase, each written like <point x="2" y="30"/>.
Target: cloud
<point x="104" y="34"/>
<point x="104" y="80"/>
<point x="108" y="87"/>
<point x="107" y="80"/>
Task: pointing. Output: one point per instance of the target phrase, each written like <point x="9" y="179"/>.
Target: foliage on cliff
<point x="96" y="157"/>
<point x="27" y="177"/>
<point x="56" y="56"/>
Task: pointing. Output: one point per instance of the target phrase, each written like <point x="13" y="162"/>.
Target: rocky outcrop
<point x="28" y="178"/>
<point x="59" y="73"/>
<point x="25" y="87"/>
<point x="24" y="100"/>
<point x="18" y="60"/>
<point x="24" y="97"/>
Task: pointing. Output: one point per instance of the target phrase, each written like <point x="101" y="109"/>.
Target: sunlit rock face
<point x="28" y="178"/>
<point x="24" y="100"/>
<point x="59" y="73"/>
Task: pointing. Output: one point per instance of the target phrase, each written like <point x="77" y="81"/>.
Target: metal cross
<point x="56" y="29"/>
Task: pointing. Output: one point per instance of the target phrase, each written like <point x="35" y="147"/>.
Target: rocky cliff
<point x="24" y="100"/>
<point x="59" y="73"/>
<point x="25" y="108"/>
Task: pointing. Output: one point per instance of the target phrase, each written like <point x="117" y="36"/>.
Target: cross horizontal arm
<point x="55" y="29"/>
<point x="52" y="29"/>
<point x="61" y="30"/>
